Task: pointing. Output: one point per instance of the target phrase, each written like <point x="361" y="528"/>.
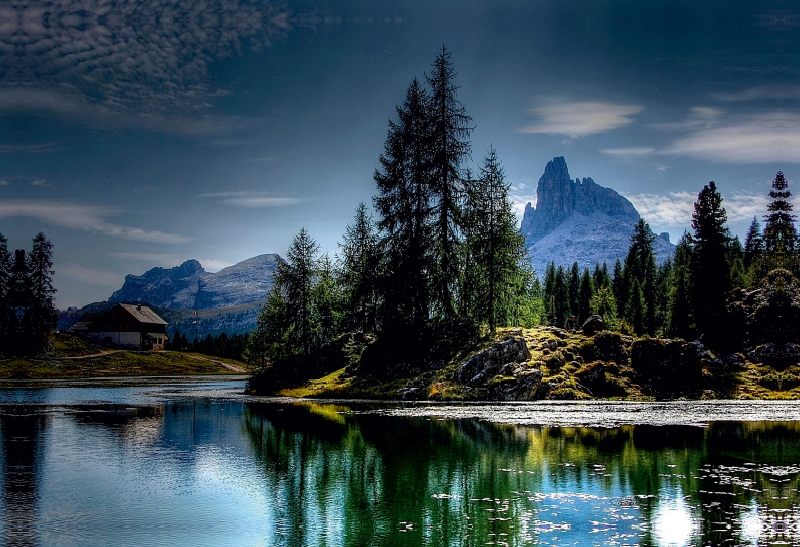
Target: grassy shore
<point x="72" y="357"/>
<point x="567" y="361"/>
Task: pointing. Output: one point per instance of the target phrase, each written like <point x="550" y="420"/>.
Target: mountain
<point x="190" y="287"/>
<point x="579" y="220"/>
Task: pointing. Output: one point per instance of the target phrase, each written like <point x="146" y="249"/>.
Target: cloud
<point x="41" y="183"/>
<point x="27" y="148"/>
<point x="170" y="260"/>
<point x="253" y="199"/>
<point x="761" y="93"/>
<point x="149" y="57"/>
<point x="636" y="151"/>
<point x="90" y="276"/>
<point x="675" y="208"/>
<point x="89" y="218"/>
<point x="763" y="138"/>
<point x="4" y="182"/>
<point x="577" y="119"/>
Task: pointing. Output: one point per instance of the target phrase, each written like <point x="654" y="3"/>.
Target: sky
<point x="142" y="134"/>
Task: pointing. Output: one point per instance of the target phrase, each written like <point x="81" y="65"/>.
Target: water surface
<point x="197" y="464"/>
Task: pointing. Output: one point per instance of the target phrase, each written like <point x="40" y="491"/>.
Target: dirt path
<point x="228" y="366"/>
<point x="102" y="353"/>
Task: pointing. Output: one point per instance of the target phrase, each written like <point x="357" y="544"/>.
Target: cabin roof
<point x="143" y="314"/>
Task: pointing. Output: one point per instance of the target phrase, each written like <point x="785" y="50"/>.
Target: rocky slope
<point x="190" y="287"/>
<point x="579" y="220"/>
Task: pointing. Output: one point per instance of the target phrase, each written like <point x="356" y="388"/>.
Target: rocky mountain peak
<point x="558" y="197"/>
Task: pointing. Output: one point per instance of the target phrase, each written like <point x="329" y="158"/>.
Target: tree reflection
<point x="345" y="478"/>
<point x="22" y="430"/>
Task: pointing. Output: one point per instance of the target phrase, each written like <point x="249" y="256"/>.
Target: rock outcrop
<point x="190" y="287"/>
<point x="580" y="221"/>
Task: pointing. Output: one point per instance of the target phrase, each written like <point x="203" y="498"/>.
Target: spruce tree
<point x="753" y="243"/>
<point x="640" y="265"/>
<point x="574" y="282"/>
<point x="617" y="286"/>
<point x="326" y="302"/>
<point x="450" y="129"/>
<point x="561" y="298"/>
<point x="680" y="319"/>
<point x="710" y="270"/>
<point x="296" y="278"/>
<point x="585" y="295"/>
<point x="403" y="205"/>
<point x="6" y="310"/>
<point x="21" y="301"/>
<point x="549" y="293"/>
<point x="780" y="235"/>
<point x="495" y="247"/>
<point x="43" y="315"/>
<point x="360" y="269"/>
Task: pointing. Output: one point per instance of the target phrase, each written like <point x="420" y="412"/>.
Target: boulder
<point x="593" y="325"/>
<point x="608" y="346"/>
<point x="485" y="364"/>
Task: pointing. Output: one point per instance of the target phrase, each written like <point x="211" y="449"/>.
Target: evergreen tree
<point x="780" y="235"/>
<point x="6" y="310"/>
<point x="664" y="279"/>
<point x="450" y="129"/>
<point x="574" y="282"/>
<point x="561" y="310"/>
<point x="710" y="270"/>
<point x="43" y="315"/>
<point x="640" y="265"/>
<point x="326" y="302"/>
<point x="680" y="317"/>
<point x="496" y="247"/>
<point x="274" y="337"/>
<point x="549" y="293"/>
<point x="296" y="278"/>
<point x="585" y="295"/>
<point x="361" y="262"/>
<point x="21" y="301"/>
<point x="617" y="286"/>
<point x="636" y="307"/>
<point x="604" y="304"/>
<point x="403" y="203"/>
<point x="753" y="244"/>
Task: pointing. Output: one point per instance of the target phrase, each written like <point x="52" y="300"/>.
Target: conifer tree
<point x="450" y="129"/>
<point x="403" y="203"/>
<point x="326" y="302"/>
<point x="561" y="298"/>
<point x="753" y="243"/>
<point x="361" y="262"/>
<point x="495" y="247"/>
<point x="780" y="235"/>
<point x="43" y="315"/>
<point x="604" y="304"/>
<point x="574" y="282"/>
<point x="710" y="270"/>
<point x="296" y="278"/>
<point x="640" y="265"/>
<point x="585" y="295"/>
<point x="680" y="317"/>
<point x="617" y="286"/>
<point x="549" y="293"/>
<point x="6" y="310"/>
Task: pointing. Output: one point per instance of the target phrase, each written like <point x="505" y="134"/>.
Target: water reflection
<point x="424" y="481"/>
<point x="198" y="471"/>
<point x="21" y="433"/>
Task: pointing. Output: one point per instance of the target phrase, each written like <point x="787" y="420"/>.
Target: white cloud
<point x="90" y="218"/>
<point x="577" y="119"/>
<point x="636" y="151"/>
<point x="253" y="199"/>
<point x="41" y="183"/>
<point x="675" y="208"/>
<point x="90" y="276"/>
<point x="4" y="182"/>
<point x="765" y="138"/>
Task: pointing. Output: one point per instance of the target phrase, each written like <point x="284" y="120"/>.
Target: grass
<point x="334" y="384"/>
<point x="72" y="357"/>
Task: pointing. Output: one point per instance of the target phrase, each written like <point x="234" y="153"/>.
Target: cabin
<point x="128" y="326"/>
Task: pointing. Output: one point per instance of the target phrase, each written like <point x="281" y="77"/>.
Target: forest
<point x="442" y="263"/>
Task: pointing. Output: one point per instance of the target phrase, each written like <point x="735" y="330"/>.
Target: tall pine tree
<point x="360" y="270"/>
<point x="450" y="129"/>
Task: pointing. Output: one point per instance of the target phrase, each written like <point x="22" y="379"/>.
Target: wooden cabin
<point x="127" y="326"/>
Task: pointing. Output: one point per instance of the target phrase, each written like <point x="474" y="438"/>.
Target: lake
<point x="196" y="463"/>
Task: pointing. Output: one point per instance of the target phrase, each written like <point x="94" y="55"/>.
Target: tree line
<point x="688" y="295"/>
<point x="441" y="256"/>
<point x="27" y="311"/>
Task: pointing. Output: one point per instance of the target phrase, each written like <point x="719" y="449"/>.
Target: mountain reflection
<point x="347" y="478"/>
<point x="21" y="435"/>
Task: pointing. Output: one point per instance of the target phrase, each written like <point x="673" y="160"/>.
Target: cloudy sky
<point x="141" y="134"/>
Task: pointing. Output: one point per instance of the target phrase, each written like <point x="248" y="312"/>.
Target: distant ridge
<point x="580" y="221"/>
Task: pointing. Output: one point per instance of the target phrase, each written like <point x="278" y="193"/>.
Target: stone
<point x="593" y="325"/>
<point x="667" y="367"/>
<point x="485" y="364"/>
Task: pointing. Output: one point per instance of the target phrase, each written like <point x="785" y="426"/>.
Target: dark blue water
<point x="171" y="465"/>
